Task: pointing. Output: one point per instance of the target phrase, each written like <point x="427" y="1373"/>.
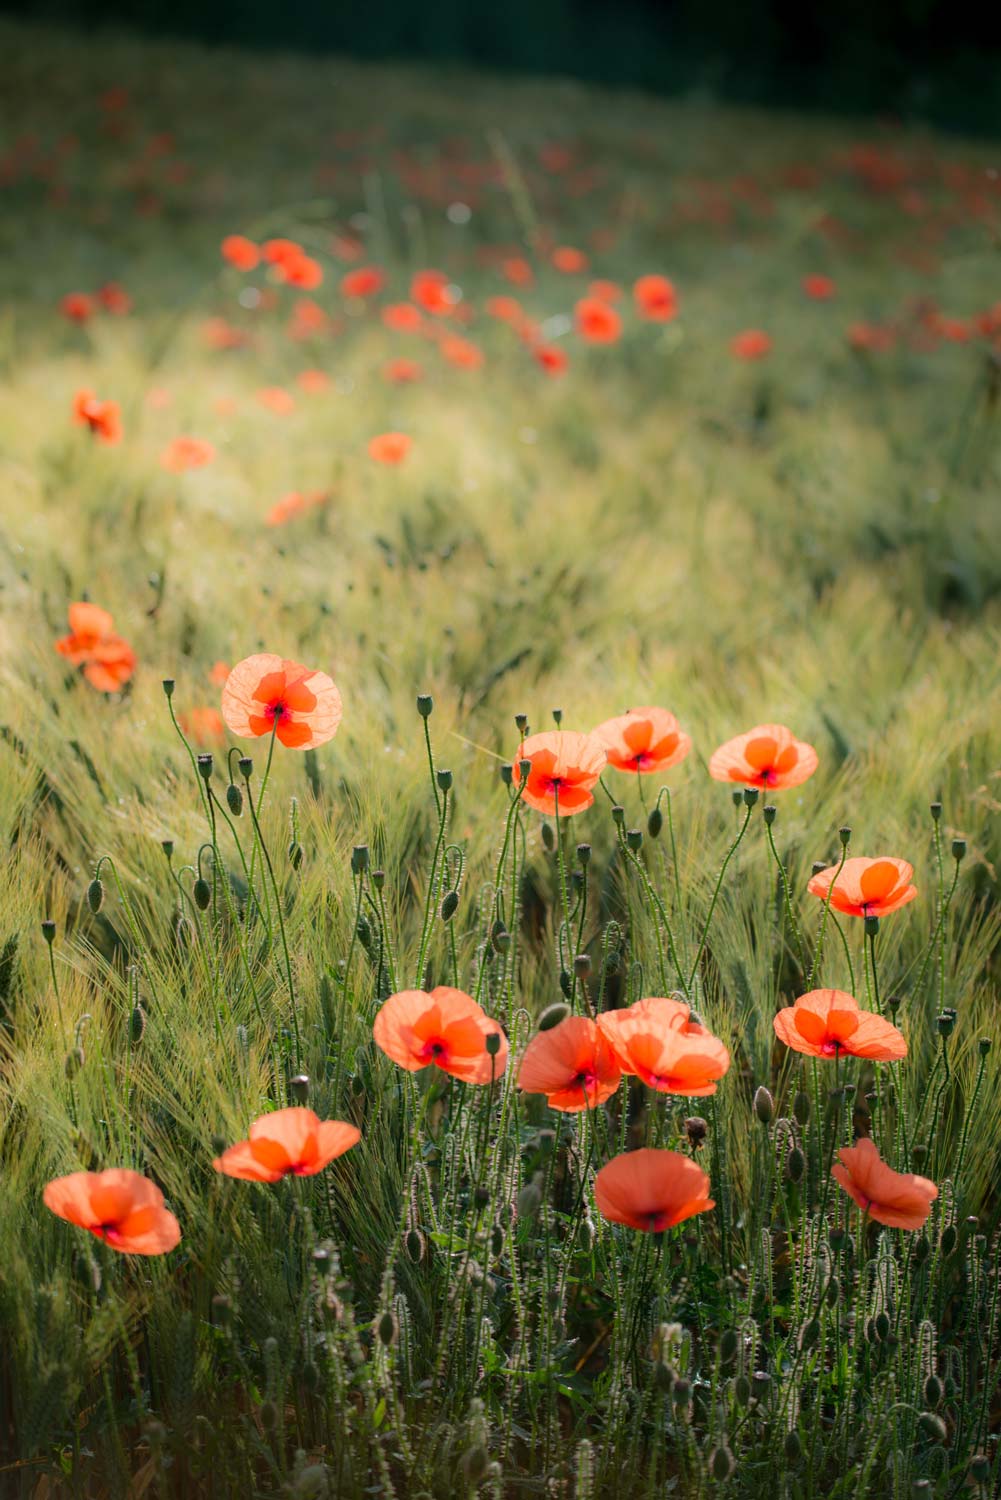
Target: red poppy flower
<point x="286" y="509"/>
<point x="288" y="1142"/>
<point x="402" y="371"/>
<point x="312" y="381"/>
<point x="752" y="344"/>
<point x="596" y="322"/>
<point x="301" y="271"/>
<point x="645" y="740"/>
<point x="403" y="317"/>
<point x="267" y="694"/>
<point x="900" y="1200"/>
<point x="655" y="298"/>
<point x="218" y="673"/>
<point x="866" y="887"/>
<point x="605" y="291"/>
<point x="564" y="765"/>
<point x="432" y="291"/>
<point x="276" y="252"/>
<point x="828" y="1023"/>
<point x="572" y="1064"/>
<point x="184" y="453"/>
<point x="108" y="662"/>
<point x="551" y="359"/>
<point x="275" y="399"/>
<point x="389" y="447"/>
<point x="114" y="299"/>
<point x="820" y="288"/>
<point x="366" y="281"/>
<point x="203" y="725"/>
<point x="77" y="306"/>
<point x="445" y="1028"/>
<point x="517" y="271"/>
<point x="656" y="1041"/>
<point x="120" y="1207"/>
<point x="240" y="252"/>
<point x="461" y="353"/>
<point x="871" y="337"/>
<point x="103" y="418"/>
<point x="308" y="319"/>
<point x="651" y="1190"/>
<point x="504" y="309"/>
<point x="568" y="260"/>
<point x="768" y="756"/>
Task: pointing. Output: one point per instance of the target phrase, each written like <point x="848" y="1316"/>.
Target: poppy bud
<point x="582" y="965"/>
<point x="795" y="1164"/>
<point x="359" y="859"/>
<point x="742" y="1390"/>
<point x="681" y="1393"/>
<point x="936" y="811"/>
<point x="493" y="1043"/>
<point x="764" y="1105"/>
<point x="449" y="905"/>
<point x="364" y="930"/>
<point x="832" y="1292"/>
<point x="553" y="1015"/>
<point x="894" y="1003"/>
<point x="949" y="1240"/>
<point x="922" y="1250"/>
<point x="634" y="838"/>
<point x="751" y="795"/>
<point x="167" y="845"/>
<point x="234" y="799"/>
<point x="299" y="1088"/>
<point x="268" y="1413"/>
<point x="761" y="1384"/>
<point x="721" y="1463"/>
<point x="655" y="823"/>
<point x="801" y="1108"/>
<point x="415" y="1245"/>
<point x="696" y="1130"/>
<point x="980" y="1468"/>
<point x="958" y="850"/>
<point x="792" y="1446"/>
<point x="558" y="716"/>
<point x="137" y="1025"/>
<point x="246" y="765"/>
<point x="881" y="1325"/>
<point x="918" y="1154"/>
<point x="769" y="813"/>
<point x="387" y="1329"/>
<point x="521" y="720"/>
<point x="444" y="780"/>
<point x="932" y="1426"/>
<point x="984" y="1046"/>
<point x="547" y="837"/>
<point x="205" y="767"/>
<point x="728" y="1345"/>
<point x="95" y="895"/>
<point x="737" y="796"/>
<point x="498" y="931"/>
<point x="202" y="892"/>
<point x="49" y="931"/>
<point x="845" y="834"/>
<point x="529" y="1200"/>
<point x="507" y="773"/>
<point x="932" y="1391"/>
<point x="425" y="705"/>
<point x="474" y="1463"/>
<point x="612" y="962"/>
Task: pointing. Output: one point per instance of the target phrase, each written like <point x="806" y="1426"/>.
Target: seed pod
<point x="795" y="1164"/>
<point x="500" y="937"/>
<point x="932" y="1426"/>
<point x="234" y="799"/>
<point x="95" y="895"/>
<point x="769" y="813"/>
<point x="202" y="892"/>
<point x="634" y="839"/>
<point x="582" y="966"/>
<point x="444" y="780"/>
<point x="425" y="705"/>
<point x="299" y="1088"/>
<point x="655" y="823"/>
<point x="696" y="1130"/>
<point x="449" y="905"/>
<point x="359" y="859"/>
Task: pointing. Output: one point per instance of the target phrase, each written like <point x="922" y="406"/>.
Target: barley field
<point x="373" y="439"/>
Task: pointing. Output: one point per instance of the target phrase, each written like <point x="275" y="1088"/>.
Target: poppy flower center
<point x="277" y="711"/>
<point x="586" y="1079"/>
<point x="830" y="1047"/>
<point x="433" y="1049"/>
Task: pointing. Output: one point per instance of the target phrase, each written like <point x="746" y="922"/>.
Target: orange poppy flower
<point x="900" y="1200"/>
<point x="218" y="673"/>
<point x="828" y="1023"/>
<point x="820" y="288"/>
<point x="312" y="381"/>
<point x="551" y="359"/>
<point x="517" y="271"/>
<point x="218" y="333"/>
<point x="866" y="887"/>
<point x="389" y="447"/>
<point x="651" y="1190"/>
<point x="596" y="322"/>
<point x="645" y="740"/>
<point x="402" y="371"/>
<point x="184" y="453"/>
<point x="108" y="662"/>
<point x="461" y="353"/>
<point x="276" y="399"/>
<point x="504" y="309"/>
<point x="121" y="1207"/>
<point x="288" y="1142"/>
<point x="203" y="725"/>
<point x="568" y="260"/>
<point x="572" y="1064"/>
<point x="277" y="251"/>
<point x="768" y="756"/>
<point x="403" y="317"/>
<point x="114" y="299"/>
<point x="446" y="1028"/>
<point x="103" y="418"/>
<point x="655" y="298"/>
<point x="240" y="252"/>
<point x="655" y="1040"/>
<point x="308" y="319"/>
<point x="752" y="344"/>
<point x="286" y="509"/>
<point x="366" y="281"/>
<point x="431" y="290"/>
<point x="267" y="693"/>
<point x="77" y="306"/>
<point x="605" y="291"/>
<point x="564" y="765"/>
<point x="301" y="271"/>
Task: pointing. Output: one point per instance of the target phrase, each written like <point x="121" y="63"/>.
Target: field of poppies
<point x="500" y="763"/>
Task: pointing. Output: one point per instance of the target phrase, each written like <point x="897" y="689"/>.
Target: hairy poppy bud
<point x="586" y="1236"/>
<point x="425" y="705"/>
<point x="795" y="1164"/>
<point x="474" y="1463"/>
<point x="553" y="1015"/>
<point x="268" y="1413"/>
<point x="655" y="823"/>
<point x="496" y="1240"/>
<point x="234" y="799"/>
<point x="932" y="1391"/>
<point x="681" y="1392"/>
<point x="894" y="1003"/>
<point x="958" y="849"/>
<point x="792" y="1447"/>
<point x="415" y="1245"/>
<point x="984" y="1046"/>
<point x="801" y="1108"/>
<point x="949" y="1240"/>
<point x="809" y="1333"/>
<point x="449" y="905"/>
<point x="769" y="813"/>
<point x="95" y="895"/>
<point x="137" y="1025"/>
<point x="359" y="859"/>
<point x="444" y="780"/>
<point x="881" y="1325"/>
<point x="728" y="1346"/>
<point x="764" y="1105"/>
<point x="832" y="1292"/>
<point x="696" y="1130"/>
<point x="836" y="1238"/>
<point x="980" y="1468"/>
<point x="932" y="1426"/>
<point x="202" y="893"/>
<point x="721" y="1463"/>
<point x="387" y="1329"/>
<point x="529" y="1200"/>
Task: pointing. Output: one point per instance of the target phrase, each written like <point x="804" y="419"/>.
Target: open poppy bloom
<point x="445" y="1028"/>
<point x="752" y="344"/>
<point x="366" y="281"/>
<point x="313" y="382"/>
<point x="77" y="306"/>
<point x="605" y="291"/>
<point x="287" y="1142"/>
<point x="550" y="358"/>
<point x="204" y="725"/>
<point x="572" y="1064"/>
<point x="596" y="322"/>
<point x="829" y="1023"/>
<point x="461" y="353"/>
<point x="389" y="447"/>
<point x="184" y="453"/>
<point x="267" y="694"/>
<point x="114" y="299"/>
<point x="119" y="1206"/>
<point x="567" y="259"/>
<point x="108" y="662"/>
<point x="275" y="398"/>
<point x="655" y="298"/>
<point x="402" y="371"/>
<point x="819" y="288"/>
<point x="240" y="252"/>
<point x="432" y="291"/>
<point x="103" y="418"/>
<point x="644" y="740"/>
<point x="768" y="756"/>
<point x="301" y="271"/>
<point x="403" y="317"/>
<point x="656" y="1041"/>
<point x="900" y="1200"/>
<point x="517" y="271"/>
<point x="651" y="1190"/>
<point x="866" y="887"/>
<point x="564" y="768"/>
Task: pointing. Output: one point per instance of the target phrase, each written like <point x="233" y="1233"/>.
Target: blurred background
<point x="907" y="59"/>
